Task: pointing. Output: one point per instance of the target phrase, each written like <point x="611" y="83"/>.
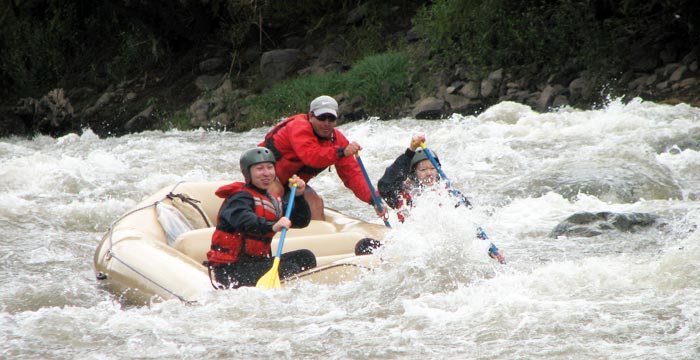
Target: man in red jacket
<point x="306" y="144"/>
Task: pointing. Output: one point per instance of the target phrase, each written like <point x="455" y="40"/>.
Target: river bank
<point x="210" y="85"/>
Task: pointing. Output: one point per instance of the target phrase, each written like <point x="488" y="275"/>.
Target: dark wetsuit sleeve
<point x="395" y="175"/>
<point x="238" y="214"/>
<point x="301" y="212"/>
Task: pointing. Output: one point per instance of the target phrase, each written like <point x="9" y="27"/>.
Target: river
<point x="618" y="295"/>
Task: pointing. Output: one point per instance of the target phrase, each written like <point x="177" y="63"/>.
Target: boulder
<point x="547" y="96"/>
<point x="470" y="90"/>
<point x="52" y="114"/>
<point x="145" y="120"/>
<point x="105" y="99"/>
<point x="589" y="224"/>
<point x="559" y="101"/>
<point x="208" y="82"/>
<point x="678" y="74"/>
<point x="199" y="112"/>
<point x="461" y="104"/>
<point x="487" y="87"/>
<point x="280" y="64"/>
<point x="210" y="66"/>
<point x="576" y="88"/>
<point x="429" y="108"/>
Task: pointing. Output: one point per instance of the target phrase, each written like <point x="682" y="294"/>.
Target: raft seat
<point x="195" y="243"/>
<point x="320" y="237"/>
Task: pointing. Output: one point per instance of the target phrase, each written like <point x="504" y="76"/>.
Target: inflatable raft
<point x="156" y="250"/>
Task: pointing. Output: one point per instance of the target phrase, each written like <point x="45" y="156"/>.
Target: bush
<point x="381" y="80"/>
<point x="136" y="50"/>
<point x="48" y="43"/>
<point x="546" y="34"/>
<point x="508" y="33"/>
<point x="287" y="98"/>
<point x="35" y="50"/>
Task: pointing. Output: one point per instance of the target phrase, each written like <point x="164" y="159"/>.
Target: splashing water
<point x="614" y="296"/>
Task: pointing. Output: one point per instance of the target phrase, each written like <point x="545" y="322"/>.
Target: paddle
<point x="375" y="198"/>
<point x="481" y="234"/>
<point x="271" y="279"/>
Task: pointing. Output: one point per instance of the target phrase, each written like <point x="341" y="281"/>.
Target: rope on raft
<point x="111" y="254"/>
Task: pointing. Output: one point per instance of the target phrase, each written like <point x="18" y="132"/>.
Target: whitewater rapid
<point x="614" y="296"/>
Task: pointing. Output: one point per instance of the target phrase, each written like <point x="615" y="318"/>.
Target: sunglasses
<point x="326" y="117"/>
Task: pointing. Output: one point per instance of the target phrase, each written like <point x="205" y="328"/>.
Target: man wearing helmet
<point x="407" y="176"/>
<point x="306" y="144"/>
<point x="248" y="219"/>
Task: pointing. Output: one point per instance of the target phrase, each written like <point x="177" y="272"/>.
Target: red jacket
<point x="300" y="151"/>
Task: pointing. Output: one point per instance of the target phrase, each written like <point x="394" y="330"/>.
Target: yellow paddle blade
<point x="271" y="279"/>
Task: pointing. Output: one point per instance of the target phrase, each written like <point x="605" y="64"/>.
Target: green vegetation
<point x="506" y="33"/>
<point x="136" y="49"/>
<point x="75" y="43"/>
<point x="34" y="50"/>
<point x="287" y="98"/>
<point x="178" y="120"/>
<point x="381" y="80"/>
<point x="543" y="35"/>
<point x="46" y="43"/>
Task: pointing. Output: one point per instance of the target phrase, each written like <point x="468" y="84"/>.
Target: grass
<point x="381" y="80"/>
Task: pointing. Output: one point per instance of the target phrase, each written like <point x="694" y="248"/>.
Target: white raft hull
<point x="135" y="262"/>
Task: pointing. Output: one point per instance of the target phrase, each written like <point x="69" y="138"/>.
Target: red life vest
<point x="227" y="247"/>
<point x="405" y="202"/>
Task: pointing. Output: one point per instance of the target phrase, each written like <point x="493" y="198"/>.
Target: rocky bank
<point x="199" y="95"/>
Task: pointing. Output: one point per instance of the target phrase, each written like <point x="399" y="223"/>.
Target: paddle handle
<point x="481" y="234"/>
<point x="375" y="198"/>
<point x="287" y="214"/>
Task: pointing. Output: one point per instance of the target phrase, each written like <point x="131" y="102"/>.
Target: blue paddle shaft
<point x="480" y="232"/>
<point x="493" y="249"/>
<point x="375" y="198"/>
<point x="287" y="214"/>
<point x="430" y="156"/>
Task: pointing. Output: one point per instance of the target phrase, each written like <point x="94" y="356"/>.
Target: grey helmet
<point x="254" y="156"/>
<point x="420" y="156"/>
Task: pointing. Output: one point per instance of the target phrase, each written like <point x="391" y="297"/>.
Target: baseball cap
<point x="324" y="105"/>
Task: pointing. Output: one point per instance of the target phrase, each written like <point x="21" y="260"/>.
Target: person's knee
<point x="312" y="196"/>
<point x="307" y="259"/>
<point x="315" y="203"/>
<point x="366" y="246"/>
<point x="296" y="261"/>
